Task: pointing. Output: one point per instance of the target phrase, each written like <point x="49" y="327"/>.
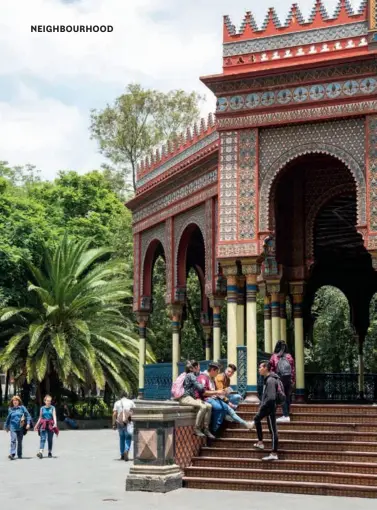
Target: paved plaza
<point x="86" y="474"/>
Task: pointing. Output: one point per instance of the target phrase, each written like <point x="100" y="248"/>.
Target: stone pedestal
<point x="163" y="444"/>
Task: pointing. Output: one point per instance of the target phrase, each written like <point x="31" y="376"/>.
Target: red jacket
<point x="274" y="365"/>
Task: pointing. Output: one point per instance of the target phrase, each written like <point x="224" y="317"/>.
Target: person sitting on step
<point x="220" y="409"/>
<point x="222" y="382"/>
<point x="282" y="364"/>
<point x="191" y="397"/>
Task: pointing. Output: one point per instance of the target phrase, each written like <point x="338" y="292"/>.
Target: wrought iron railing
<point x="339" y="387"/>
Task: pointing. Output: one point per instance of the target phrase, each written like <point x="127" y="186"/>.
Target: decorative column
<point x="251" y="271"/>
<point x="208" y="337"/>
<point x="241" y="311"/>
<point x="297" y="291"/>
<point x="176" y="317"/>
<point x="283" y="318"/>
<point x="142" y="319"/>
<point x="230" y="272"/>
<point x="273" y="288"/>
<point x="360" y="340"/>
<point x="267" y="324"/>
<point x="216" y="303"/>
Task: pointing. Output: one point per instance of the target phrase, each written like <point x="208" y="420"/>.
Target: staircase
<point x="325" y="450"/>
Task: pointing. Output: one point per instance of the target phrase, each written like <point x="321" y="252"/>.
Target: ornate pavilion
<point x="277" y="194"/>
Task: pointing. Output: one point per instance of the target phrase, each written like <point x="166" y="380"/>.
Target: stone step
<point x="290" y="454"/>
<point x="282" y="474"/>
<point x="320" y="417"/>
<point x="327" y="426"/>
<point x="367" y="468"/>
<point x="324" y="489"/>
<point x="364" y="410"/>
<point x="308" y="444"/>
<point x="306" y="435"/>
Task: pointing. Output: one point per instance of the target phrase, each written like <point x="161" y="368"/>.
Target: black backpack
<point x="284" y="367"/>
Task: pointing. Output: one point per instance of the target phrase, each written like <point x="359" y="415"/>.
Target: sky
<point x="49" y="82"/>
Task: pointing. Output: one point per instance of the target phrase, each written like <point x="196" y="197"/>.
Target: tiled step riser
<point x="283" y="465"/>
<point x="295" y="445"/>
<point x="323" y="418"/>
<point x="260" y="487"/>
<point x="302" y="426"/>
<point x="294" y="455"/>
<point x="239" y="474"/>
<point x="365" y="411"/>
<point x="303" y="436"/>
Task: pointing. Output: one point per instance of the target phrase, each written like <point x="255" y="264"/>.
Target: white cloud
<point x="162" y="43"/>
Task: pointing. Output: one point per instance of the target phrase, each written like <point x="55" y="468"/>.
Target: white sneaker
<point x="283" y="419"/>
<point x="272" y="456"/>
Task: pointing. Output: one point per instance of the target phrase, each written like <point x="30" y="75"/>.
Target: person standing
<point x="46" y="426"/>
<point x="122" y="421"/>
<point x="268" y="410"/>
<point x="283" y="364"/>
<point x="191" y="397"/>
<point x="17" y="423"/>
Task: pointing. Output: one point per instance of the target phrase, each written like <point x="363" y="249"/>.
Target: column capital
<point x="142" y="318"/>
<point x="250" y="267"/>
<point x="297" y="288"/>
<point x="176" y="311"/>
<point x="229" y="269"/>
<point x="207" y="329"/>
<point x="273" y="286"/>
<point x="145" y="304"/>
<point x="216" y="300"/>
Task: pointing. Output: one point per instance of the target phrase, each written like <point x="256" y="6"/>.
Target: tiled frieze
<point x="372" y="172"/>
<point x="228" y="186"/>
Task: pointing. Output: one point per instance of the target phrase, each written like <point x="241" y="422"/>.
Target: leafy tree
<point x="20" y="175"/>
<point x="73" y="330"/>
<point x="138" y="121"/>
<point x="334" y="348"/>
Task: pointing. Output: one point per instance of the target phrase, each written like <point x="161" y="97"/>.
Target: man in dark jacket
<point x="267" y="410"/>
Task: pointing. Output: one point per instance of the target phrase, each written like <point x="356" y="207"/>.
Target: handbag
<point x="23" y="424"/>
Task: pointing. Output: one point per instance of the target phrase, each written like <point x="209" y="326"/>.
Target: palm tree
<point x="73" y="331"/>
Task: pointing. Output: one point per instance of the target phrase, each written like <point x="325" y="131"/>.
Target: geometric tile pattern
<point x="296" y="39"/>
<point x="209" y="245"/>
<point x="181" y="193"/>
<point x="187" y="445"/>
<point x="372" y="171"/>
<point x="298" y="95"/>
<point x="168" y="259"/>
<point x="136" y="281"/>
<point x="228" y="186"/>
<point x="247" y="176"/>
<point x="345" y="140"/>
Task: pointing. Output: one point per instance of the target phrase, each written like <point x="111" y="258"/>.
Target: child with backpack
<point x="185" y="390"/>
<point x="283" y="365"/>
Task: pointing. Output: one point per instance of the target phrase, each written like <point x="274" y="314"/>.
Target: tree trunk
<point x="7" y="386"/>
<point x="25" y="393"/>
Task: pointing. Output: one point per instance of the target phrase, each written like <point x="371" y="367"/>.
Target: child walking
<point x="17" y="422"/>
<point x="46" y="426"/>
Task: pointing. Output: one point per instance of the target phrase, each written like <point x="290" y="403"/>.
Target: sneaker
<point x="11" y="457"/>
<point x="125" y="456"/>
<point x="40" y="455"/>
<point x="283" y="419"/>
<point x="49" y="455"/>
<point x="198" y="433"/>
<point x="250" y="425"/>
<point x="19" y="456"/>
<point x="259" y="446"/>
<point x="208" y="434"/>
<point x="272" y="456"/>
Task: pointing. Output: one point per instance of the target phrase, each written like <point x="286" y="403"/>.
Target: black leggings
<point x="270" y="414"/>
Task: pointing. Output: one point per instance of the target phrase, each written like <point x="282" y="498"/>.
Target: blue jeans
<point x="124" y="440"/>
<point x="46" y="434"/>
<point x="71" y="423"/>
<point x="16" y="438"/>
<point x="235" y="399"/>
<point x="219" y="411"/>
<point x="232" y="413"/>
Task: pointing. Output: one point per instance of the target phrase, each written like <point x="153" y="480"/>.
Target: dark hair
<point x="266" y="364"/>
<point x="124" y="394"/>
<point x="280" y="347"/>
<point x="233" y="367"/>
<point x="212" y="365"/>
<point x="194" y="363"/>
<point x="189" y="367"/>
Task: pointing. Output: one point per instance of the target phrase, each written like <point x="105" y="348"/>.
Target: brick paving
<point x="86" y="474"/>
